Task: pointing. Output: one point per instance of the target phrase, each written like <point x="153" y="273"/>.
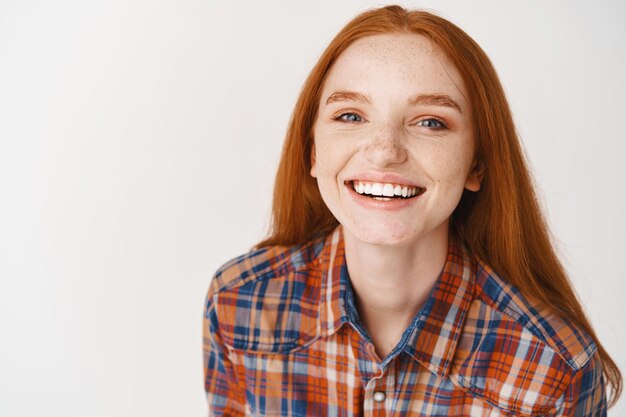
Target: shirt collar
<point x="434" y="333"/>
<point x="332" y="262"/>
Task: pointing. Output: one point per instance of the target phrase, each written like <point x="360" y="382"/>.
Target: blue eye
<point x="432" y="123"/>
<point x="349" y="117"/>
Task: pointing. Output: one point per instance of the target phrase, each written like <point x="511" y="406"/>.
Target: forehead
<point x="396" y="63"/>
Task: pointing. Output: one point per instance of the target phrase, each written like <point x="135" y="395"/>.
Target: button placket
<point x="378" y="391"/>
<point x="384" y="393"/>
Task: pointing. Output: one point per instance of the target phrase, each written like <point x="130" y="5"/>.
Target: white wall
<point x="138" y="143"/>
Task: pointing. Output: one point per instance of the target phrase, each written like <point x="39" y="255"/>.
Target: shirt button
<point x="379" y="397"/>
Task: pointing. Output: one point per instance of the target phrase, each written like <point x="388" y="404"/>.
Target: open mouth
<point x="385" y="191"/>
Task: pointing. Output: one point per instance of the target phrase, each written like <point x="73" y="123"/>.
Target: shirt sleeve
<point x="586" y="395"/>
<point x="224" y="395"/>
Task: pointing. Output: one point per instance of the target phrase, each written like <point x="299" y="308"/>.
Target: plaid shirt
<point x="282" y="337"/>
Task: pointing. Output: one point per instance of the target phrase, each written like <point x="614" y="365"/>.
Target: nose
<point x="386" y="147"/>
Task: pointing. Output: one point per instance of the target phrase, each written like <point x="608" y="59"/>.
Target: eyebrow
<point x="435" y="100"/>
<point x="347" y="96"/>
<point x="442" y="100"/>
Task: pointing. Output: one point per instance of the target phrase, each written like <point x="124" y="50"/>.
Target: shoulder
<point x="265" y="263"/>
<point x="517" y="353"/>
<point x="571" y="343"/>
<point x="267" y="298"/>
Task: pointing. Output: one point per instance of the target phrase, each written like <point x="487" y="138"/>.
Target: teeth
<point x="384" y="190"/>
<point x="377" y="189"/>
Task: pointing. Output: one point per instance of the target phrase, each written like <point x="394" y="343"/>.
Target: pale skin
<point x="393" y="110"/>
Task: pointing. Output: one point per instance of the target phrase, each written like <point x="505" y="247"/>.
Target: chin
<point x="382" y="234"/>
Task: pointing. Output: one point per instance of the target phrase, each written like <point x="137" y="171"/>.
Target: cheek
<point x="332" y="153"/>
<point x="323" y="161"/>
<point x="450" y="167"/>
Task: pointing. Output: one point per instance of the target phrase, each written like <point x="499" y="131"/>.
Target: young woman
<point x="409" y="271"/>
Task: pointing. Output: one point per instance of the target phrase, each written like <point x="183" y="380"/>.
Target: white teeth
<point x="377" y="189"/>
<point x="382" y="190"/>
<point x="388" y="190"/>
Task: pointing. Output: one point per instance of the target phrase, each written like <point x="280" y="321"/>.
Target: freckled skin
<point x="389" y="138"/>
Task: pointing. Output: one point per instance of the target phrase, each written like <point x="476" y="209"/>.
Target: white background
<point x="138" y="145"/>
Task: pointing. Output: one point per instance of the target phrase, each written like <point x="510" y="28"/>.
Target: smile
<point x="385" y="191"/>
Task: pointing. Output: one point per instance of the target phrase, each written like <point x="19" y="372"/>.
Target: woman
<point x="409" y="270"/>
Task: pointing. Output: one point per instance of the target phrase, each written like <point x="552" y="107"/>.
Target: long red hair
<point x="502" y="223"/>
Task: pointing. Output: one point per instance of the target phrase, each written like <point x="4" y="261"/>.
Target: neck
<point x="391" y="283"/>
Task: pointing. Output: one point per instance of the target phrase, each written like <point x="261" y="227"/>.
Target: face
<point x="393" y="145"/>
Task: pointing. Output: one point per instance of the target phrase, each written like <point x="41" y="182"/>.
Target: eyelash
<point x="341" y="118"/>
<point x="442" y="125"/>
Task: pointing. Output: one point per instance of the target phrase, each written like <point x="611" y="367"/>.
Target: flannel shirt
<point x="282" y="337"/>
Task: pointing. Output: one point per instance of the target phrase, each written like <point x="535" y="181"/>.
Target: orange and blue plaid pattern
<point x="282" y="337"/>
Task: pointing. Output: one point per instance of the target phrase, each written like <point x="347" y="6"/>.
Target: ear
<point x="313" y="171"/>
<point x="475" y="177"/>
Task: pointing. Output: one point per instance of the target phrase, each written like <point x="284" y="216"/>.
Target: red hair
<point x="501" y="223"/>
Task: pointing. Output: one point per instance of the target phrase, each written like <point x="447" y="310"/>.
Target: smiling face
<point x="393" y="146"/>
